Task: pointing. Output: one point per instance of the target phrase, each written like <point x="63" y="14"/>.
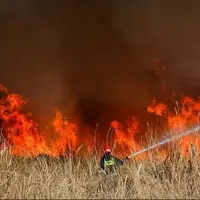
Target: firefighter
<point x="109" y="163"/>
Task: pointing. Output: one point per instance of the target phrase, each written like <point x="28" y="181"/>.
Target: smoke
<point x="61" y="53"/>
<point x="167" y="30"/>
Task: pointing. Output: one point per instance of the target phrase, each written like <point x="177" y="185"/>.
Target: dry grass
<point x="45" y="177"/>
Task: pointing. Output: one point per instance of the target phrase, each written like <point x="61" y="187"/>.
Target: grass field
<point x="45" y="177"/>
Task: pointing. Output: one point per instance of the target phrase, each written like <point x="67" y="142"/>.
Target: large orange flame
<point x="24" y="139"/>
<point x="22" y="133"/>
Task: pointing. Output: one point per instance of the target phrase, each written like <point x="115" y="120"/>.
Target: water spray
<point x="182" y="134"/>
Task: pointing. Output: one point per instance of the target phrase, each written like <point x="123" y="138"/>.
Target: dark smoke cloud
<point x="61" y="53"/>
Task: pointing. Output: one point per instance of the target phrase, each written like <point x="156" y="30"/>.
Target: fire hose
<point x="177" y="136"/>
<point x="194" y="129"/>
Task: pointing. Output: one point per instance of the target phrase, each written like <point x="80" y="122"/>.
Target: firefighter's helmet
<point x="107" y="149"/>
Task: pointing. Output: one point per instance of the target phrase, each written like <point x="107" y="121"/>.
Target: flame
<point x="24" y="138"/>
<point x="157" y="108"/>
<point x="126" y="137"/>
<point x="22" y="133"/>
<point x="66" y="135"/>
<point x="185" y="115"/>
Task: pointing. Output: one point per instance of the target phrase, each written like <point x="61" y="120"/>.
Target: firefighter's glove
<point x="127" y="158"/>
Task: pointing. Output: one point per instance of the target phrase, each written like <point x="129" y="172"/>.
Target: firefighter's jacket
<point x="109" y="162"/>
